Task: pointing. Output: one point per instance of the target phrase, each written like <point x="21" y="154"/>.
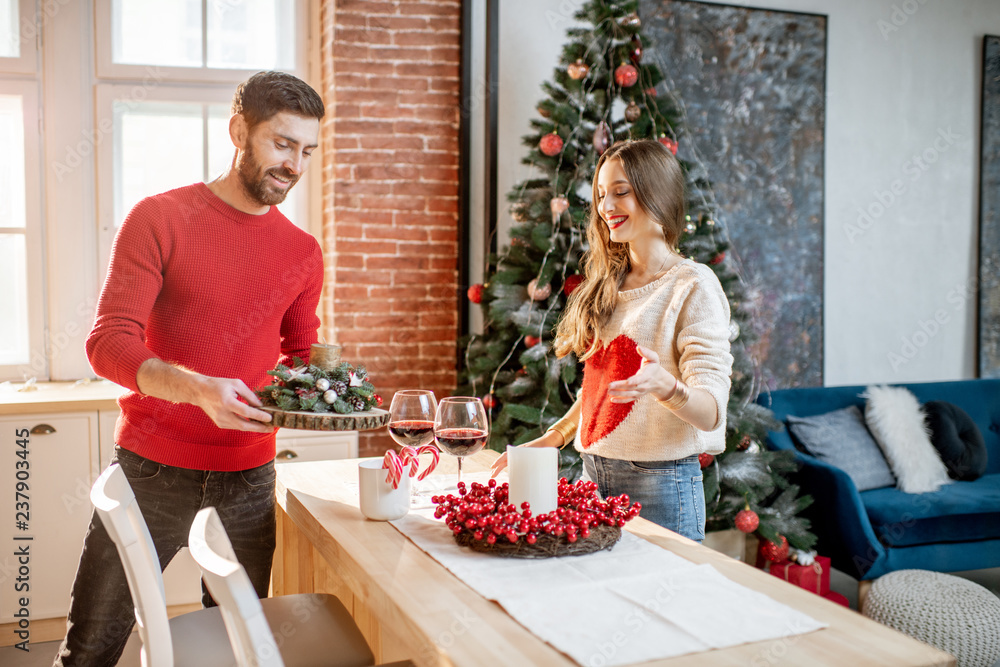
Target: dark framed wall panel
<point x="989" y="214"/>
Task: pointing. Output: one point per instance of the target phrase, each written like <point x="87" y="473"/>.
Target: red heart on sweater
<point x="618" y="360"/>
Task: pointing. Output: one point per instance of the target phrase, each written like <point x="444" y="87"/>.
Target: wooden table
<point x="410" y="607"/>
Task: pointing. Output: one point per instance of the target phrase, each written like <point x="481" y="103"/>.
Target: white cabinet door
<point x="299" y="445"/>
<point x="62" y="464"/>
<point x="107" y="420"/>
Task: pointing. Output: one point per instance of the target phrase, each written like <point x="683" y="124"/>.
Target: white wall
<point x="894" y="92"/>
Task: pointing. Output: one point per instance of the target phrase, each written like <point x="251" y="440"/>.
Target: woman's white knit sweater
<point x="684" y="317"/>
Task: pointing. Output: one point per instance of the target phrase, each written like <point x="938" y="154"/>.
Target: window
<point x="84" y="142"/>
<point x="20" y="29"/>
<point x="198" y="40"/>
<point x="21" y="271"/>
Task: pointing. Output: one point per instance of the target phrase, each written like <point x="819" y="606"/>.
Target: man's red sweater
<point x="198" y="283"/>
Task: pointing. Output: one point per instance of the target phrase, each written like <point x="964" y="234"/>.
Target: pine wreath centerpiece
<point x="300" y="392"/>
<point x="483" y="520"/>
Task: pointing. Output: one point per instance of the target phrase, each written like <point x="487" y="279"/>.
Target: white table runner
<point x="633" y="603"/>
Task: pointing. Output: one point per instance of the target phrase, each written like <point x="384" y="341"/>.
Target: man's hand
<point x="220" y="399"/>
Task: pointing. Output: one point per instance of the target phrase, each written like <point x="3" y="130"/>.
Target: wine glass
<point x="411" y="417"/>
<point x="461" y="427"/>
<point x="411" y="424"/>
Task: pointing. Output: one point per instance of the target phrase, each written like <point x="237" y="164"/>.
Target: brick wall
<point x="390" y="77"/>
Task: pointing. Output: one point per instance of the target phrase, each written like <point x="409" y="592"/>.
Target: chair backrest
<point x="227" y="581"/>
<point x="119" y="512"/>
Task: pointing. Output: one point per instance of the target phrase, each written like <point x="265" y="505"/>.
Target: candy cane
<point x="410" y="456"/>
<point x="394" y="465"/>
<point x="435" y="458"/>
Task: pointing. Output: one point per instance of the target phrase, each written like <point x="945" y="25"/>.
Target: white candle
<point x="534" y="479"/>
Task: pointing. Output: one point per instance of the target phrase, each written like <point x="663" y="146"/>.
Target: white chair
<point x="315" y="629"/>
<point x="199" y="637"/>
<point x="203" y="632"/>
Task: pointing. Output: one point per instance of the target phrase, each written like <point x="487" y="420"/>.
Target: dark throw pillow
<point x="841" y="439"/>
<point x="957" y="439"/>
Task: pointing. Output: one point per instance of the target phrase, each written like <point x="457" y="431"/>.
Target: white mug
<point x="379" y="501"/>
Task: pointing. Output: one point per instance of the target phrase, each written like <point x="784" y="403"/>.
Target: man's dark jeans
<point x="101" y="614"/>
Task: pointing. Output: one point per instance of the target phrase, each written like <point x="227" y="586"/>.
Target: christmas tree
<point x="603" y="92"/>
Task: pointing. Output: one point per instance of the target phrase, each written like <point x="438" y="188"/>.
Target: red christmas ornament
<point x="747" y="520"/>
<point x="705" y="459"/>
<point x="718" y="260"/>
<point x="602" y="138"/>
<point x="489" y="401"/>
<point x="669" y="143"/>
<point x="651" y="91"/>
<point x="635" y="49"/>
<point x="551" y="144"/>
<point x="745" y="442"/>
<point x="578" y="70"/>
<point x="774" y="552"/>
<point x="571" y="283"/>
<point x="378" y="400"/>
<point x="532" y="341"/>
<point x="475" y="294"/>
<point x="626" y="75"/>
<point x="543" y="111"/>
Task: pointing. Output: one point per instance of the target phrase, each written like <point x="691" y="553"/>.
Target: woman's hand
<point x="652" y="378"/>
<point x="550" y="439"/>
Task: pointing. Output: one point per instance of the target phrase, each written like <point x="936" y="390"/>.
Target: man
<point x="209" y="287"/>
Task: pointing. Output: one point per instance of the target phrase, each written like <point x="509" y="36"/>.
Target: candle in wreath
<point x="325" y="356"/>
<point x="534" y="473"/>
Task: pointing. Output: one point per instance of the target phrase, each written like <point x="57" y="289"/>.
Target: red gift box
<point x="834" y="596"/>
<point x="814" y="578"/>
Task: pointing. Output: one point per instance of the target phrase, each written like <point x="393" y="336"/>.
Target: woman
<point x="653" y="331"/>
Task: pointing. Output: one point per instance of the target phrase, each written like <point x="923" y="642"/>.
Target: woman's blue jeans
<point x="101" y="614"/>
<point x="671" y="492"/>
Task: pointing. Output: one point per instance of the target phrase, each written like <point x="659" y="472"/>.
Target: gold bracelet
<point x="566" y="428"/>
<point x="678" y="398"/>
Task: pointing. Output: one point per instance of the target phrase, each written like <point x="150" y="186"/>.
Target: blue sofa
<point x="874" y="532"/>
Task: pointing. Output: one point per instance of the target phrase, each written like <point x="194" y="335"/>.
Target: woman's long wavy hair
<point x="658" y="183"/>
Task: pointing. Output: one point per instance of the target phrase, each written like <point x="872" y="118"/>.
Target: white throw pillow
<point x="896" y="421"/>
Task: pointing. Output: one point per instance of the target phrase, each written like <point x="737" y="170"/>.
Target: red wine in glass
<point x="412" y="433"/>
<point x="461" y="427"/>
<point x="461" y="441"/>
<point x="411" y="417"/>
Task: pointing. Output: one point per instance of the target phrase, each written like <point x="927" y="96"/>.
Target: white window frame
<point x="30" y="32"/>
<point x="107" y="69"/>
<point x="39" y="352"/>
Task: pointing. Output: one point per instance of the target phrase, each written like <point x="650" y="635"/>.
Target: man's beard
<point x="255" y="182"/>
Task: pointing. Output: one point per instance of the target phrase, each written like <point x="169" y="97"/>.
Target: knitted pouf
<point x="953" y="614"/>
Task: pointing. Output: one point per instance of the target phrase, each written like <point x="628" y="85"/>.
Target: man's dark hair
<point x="266" y="94"/>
